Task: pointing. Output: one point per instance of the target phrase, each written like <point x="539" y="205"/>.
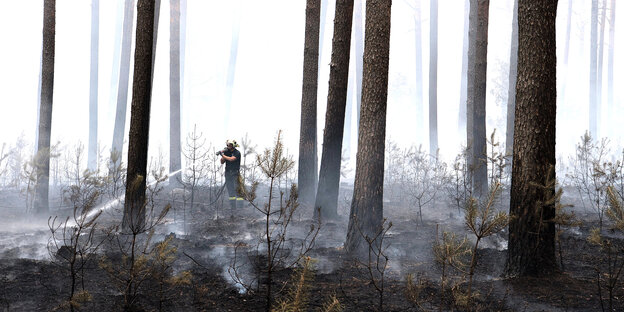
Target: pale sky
<point x="267" y="87"/>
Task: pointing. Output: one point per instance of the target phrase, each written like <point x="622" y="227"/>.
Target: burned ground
<point x="32" y="280"/>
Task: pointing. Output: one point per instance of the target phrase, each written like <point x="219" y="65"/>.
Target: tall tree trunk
<point x="93" y="86"/>
<point x="346" y="138"/>
<point x="41" y="204"/>
<point x="124" y="77"/>
<point x="354" y="91"/>
<point x="563" y="79"/>
<point x="323" y="18"/>
<point x="231" y="69"/>
<point x="532" y="231"/>
<point x="366" y="216"/>
<point x="329" y="175"/>
<point x="513" y="77"/>
<point x="134" y="209"/>
<point x="477" y="70"/>
<point x="359" y="57"/>
<point x="175" y="157"/>
<point x="601" y="35"/>
<point x="114" y="83"/>
<point x="307" y="173"/>
<point x="610" y="60"/>
<point x="593" y="74"/>
<point x="182" y="44"/>
<point x="463" y="91"/>
<point x="433" y="79"/>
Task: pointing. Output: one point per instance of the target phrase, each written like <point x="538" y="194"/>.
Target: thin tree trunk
<point x="93" y="87"/>
<point x="610" y="105"/>
<point x="599" y="88"/>
<point x="593" y="74"/>
<point x="433" y="79"/>
<point x="124" y="77"/>
<point x="359" y="57"/>
<point x="366" y="216"/>
<point x="354" y="94"/>
<point x="463" y="95"/>
<point x="182" y="44"/>
<point x="531" y="230"/>
<point x="115" y="73"/>
<point x="41" y="204"/>
<point x="175" y="157"/>
<point x="329" y="175"/>
<point x="477" y="70"/>
<point x="346" y="138"/>
<point x="231" y="69"/>
<point x="134" y="209"/>
<point x="307" y="177"/>
<point x="563" y="79"/>
<point x="513" y="77"/>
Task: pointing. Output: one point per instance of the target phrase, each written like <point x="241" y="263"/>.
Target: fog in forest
<point x="241" y="78"/>
<point x="267" y="84"/>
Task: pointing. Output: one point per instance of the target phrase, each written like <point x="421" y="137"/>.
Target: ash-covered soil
<point x="32" y="278"/>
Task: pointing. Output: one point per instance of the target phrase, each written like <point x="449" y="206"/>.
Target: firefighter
<point x="231" y="157"/>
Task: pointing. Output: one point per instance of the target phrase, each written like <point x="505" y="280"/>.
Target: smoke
<point x="29" y="243"/>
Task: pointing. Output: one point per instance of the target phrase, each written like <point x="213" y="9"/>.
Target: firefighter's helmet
<point x="233" y="142"/>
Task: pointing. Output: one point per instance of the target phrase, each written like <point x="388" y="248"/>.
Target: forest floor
<point x="32" y="278"/>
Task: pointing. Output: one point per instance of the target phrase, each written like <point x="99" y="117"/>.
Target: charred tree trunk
<point x="593" y="73"/>
<point x="433" y="79"/>
<point x="175" y="156"/>
<point x="92" y="159"/>
<point x="477" y="70"/>
<point x="463" y="95"/>
<point x="531" y="230"/>
<point x="329" y="175"/>
<point x="124" y="77"/>
<point x="307" y="177"/>
<point x="134" y="209"/>
<point x="366" y="216"/>
<point x="41" y="205"/>
<point x="513" y="76"/>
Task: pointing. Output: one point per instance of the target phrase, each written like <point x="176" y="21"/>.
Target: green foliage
<point x="484" y="220"/>
<point x="298" y="294"/>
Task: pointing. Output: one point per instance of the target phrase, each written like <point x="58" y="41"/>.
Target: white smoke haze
<point x="267" y="89"/>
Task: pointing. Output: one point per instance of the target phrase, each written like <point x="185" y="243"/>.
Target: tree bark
<point x="307" y="173"/>
<point x="41" y="204"/>
<point x="134" y="209"/>
<point x="531" y="230"/>
<point x="329" y="175"/>
<point x="477" y="70"/>
<point x="513" y="77"/>
<point x="92" y="159"/>
<point x="366" y="216"/>
<point x="433" y="78"/>
<point x="124" y="77"/>
<point x="175" y="157"/>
